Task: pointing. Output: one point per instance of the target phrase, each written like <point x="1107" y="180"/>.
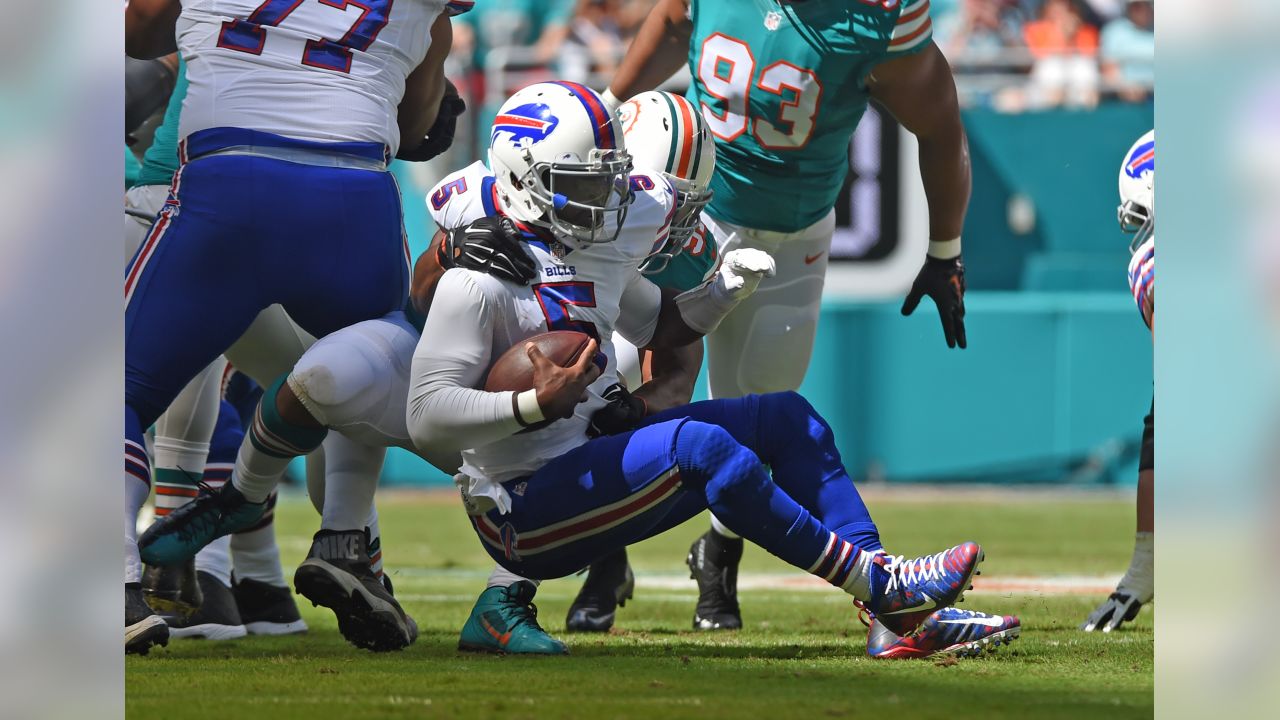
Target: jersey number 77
<point x="726" y="68"/>
<point x="250" y="35"/>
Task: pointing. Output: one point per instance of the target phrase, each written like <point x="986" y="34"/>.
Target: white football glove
<point x="741" y="272"/>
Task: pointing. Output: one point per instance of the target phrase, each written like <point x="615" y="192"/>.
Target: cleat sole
<point x="365" y="620"/>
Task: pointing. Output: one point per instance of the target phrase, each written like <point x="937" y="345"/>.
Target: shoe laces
<point x="864" y="615"/>
<point x="522" y="614"/>
<point x="187" y="520"/>
<point x="906" y="573"/>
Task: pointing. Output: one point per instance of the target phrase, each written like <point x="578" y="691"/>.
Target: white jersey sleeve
<point x="638" y="310"/>
<point x="914" y="29"/>
<point x="462" y="197"/>
<point x="445" y="412"/>
<point x="305" y="69"/>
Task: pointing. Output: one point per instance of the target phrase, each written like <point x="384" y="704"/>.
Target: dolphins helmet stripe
<point x="601" y="120"/>
<point x="693" y="138"/>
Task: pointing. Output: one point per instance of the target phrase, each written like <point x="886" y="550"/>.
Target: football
<point x="514" y="371"/>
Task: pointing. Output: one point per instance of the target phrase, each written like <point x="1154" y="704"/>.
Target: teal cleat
<point x="505" y="620"/>
<point x="178" y="536"/>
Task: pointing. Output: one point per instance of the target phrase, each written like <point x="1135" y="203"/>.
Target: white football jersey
<point x="595" y="290"/>
<point x="321" y="70"/>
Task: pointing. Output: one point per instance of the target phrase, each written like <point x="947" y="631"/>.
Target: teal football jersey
<point x="693" y="266"/>
<point x="160" y="161"/>
<point x="783" y="87"/>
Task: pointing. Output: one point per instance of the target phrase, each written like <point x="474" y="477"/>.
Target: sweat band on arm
<point x="944" y="249"/>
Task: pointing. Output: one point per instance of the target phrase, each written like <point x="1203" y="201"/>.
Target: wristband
<point x="528" y="411"/>
<point x="944" y="249"/>
<point x="611" y="101"/>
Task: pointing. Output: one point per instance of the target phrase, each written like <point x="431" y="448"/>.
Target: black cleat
<point x="713" y="562"/>
<point x="218" y="617"/>
<point x="609" y="585"/>
<point x="143" y="628"/>
<point x="172" y="590"/>
<point x="267" y="609"/>
<point x="337" y="575"/>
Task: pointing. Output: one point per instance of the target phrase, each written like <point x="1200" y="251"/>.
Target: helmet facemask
<point x="1135" y="219"/>
<point x="582" y="202"/>
<point x="689" y="205"/>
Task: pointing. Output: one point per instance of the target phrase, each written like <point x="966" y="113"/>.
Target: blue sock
<point x="745" y="498"/>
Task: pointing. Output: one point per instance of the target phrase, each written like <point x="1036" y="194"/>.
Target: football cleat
<point x="505" y="620"/>
<point x="947" y="632"/>
<point x="609" y="585"/>
<point x="267" y="609"/>
<point x="713" y="561"/>
<point x="172" y="589"/>
<point x="1120" y="607"/>
<point x="181" y="534"/>
<point x="217" y="619"/>
<point x="337" y="575"/>
<point x="143" y="628"/>
<point x="905" y="592"/>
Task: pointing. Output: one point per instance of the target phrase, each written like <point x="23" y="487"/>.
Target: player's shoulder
<point x="462" y="197"/>
<point x="654" y="202"/>
<point x="913" y="29"/>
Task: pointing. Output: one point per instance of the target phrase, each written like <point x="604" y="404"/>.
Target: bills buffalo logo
<point x="1142" y="161"/>
<point x="524" y="125"/>
<point x="510" y="541"/>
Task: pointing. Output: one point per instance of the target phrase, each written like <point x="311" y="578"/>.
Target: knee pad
<point x="331" y="378"/>
<point x="708" y="455"/>
<point x="767" y="347"/>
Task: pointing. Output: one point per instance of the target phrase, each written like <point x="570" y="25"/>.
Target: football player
<point x="783" y="85"/>
<point x="1137" y="215"/>
<point x="181" y="450"/>
<point x="281" y="196"/>
<point x="544" y="498"/>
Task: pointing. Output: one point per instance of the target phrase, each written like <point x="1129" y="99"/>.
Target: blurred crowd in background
<point x="1009" y="55"/>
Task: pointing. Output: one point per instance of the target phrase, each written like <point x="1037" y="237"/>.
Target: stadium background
<point x="1058" y="373"/>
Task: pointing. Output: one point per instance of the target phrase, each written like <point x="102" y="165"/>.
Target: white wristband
<point x="703" y="307"/>
<point x="944" y="249"/>
<point x="528" y="411"/>
<point x="611" y="101"/>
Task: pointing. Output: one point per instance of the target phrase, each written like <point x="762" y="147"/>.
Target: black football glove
<point x="1121" y="607"/>
<point x="490" y="245"/>
<point x="623" y="412"/>
<point x="942" y="280"/>
<point x="440" y="136"/>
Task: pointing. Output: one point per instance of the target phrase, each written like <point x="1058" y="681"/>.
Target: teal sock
<point x="273" y="443"/>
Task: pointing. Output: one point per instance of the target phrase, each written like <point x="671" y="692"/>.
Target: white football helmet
<point x="666" y="131"/>
<point x="1137" y="211"/>
<point x="559" y="161"/>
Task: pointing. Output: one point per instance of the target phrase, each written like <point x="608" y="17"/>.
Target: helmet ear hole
<point x="515" y="181"/>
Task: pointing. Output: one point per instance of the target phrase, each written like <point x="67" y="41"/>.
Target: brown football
<point x="514" y="371"/>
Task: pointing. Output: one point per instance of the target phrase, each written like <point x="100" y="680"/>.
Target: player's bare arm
<point x="671" y="374"/>
<point x="660" y="49"/>
<point x="920" y="92"/>
<point x="424" y="89"/>
<point x="149" y="28"/>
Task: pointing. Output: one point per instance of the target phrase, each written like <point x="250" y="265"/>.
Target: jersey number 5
<point x="725" y="69"/>
<point x="556" y="298"/>
<point x="250" y="35"/>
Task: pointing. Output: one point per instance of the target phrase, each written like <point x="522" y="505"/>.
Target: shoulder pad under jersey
<point x="463" y="197"/>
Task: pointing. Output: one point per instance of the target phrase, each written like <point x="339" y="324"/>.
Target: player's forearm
<point x="445" y="418"/>
<point x="427" y="272"/>
<point x="674" y="373"/>
<point x="948" y="180"/>
<point x="660" y="48"/>
<point x="150" y="28"/>
<point x="425" y="87"/>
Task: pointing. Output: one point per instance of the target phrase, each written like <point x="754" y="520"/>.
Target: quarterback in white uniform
<point x="546" y="498"/>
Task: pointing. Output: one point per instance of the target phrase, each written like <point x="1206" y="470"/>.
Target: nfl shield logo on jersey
<point x="524" y="125"/>
<point x="772" y="20"/>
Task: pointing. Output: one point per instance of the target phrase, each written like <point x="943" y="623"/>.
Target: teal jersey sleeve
<point x="783" y="87"/>
<point x="131" y="169"/>
<point x="161" y="159"/>
<point x="693" y="266"/>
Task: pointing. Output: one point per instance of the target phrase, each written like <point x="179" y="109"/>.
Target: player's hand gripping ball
<point x="942" y="280"/>
<point x="559" y="365"/>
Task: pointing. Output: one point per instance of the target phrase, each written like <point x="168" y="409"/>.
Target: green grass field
<point x="800" y="655"/>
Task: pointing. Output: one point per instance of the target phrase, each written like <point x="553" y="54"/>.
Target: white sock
<point x="255" y="554"/>
<point x="1141" y="577"/>
<point x="257" y="474"/>
<point x="135" y="496"/>
<point x="375" y="541"/>
<point x="502" y="577"/>
<point x="215" y="559"/>
<point x="720" y="529"/>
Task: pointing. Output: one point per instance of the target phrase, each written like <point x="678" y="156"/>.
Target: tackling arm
<point x="150" y="28"/>
<point x="672" y="373"/>
<point x="660" y="48"/>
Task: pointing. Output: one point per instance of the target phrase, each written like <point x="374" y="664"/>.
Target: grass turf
<point x="800" y="654"/>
